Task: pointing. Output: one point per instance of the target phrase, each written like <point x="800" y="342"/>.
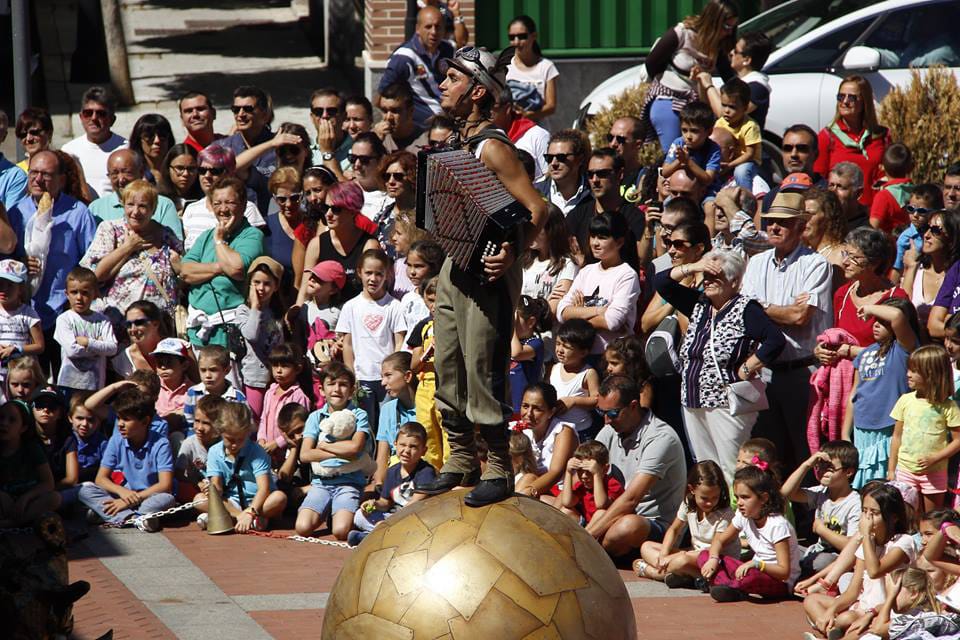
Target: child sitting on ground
<point x="191" y="463"/>
<point x="705" y="512"/>
<point x="401" y="480"/>
<point x="337" y="494"/>
<point x="533" y="317"/>
<point x="835" y="504"/>
<point x="85" y="336"/>
<point x="172" y="360"/>
<point x="293" y="476"/>
<point x="397" y="381"/>
<point x="26" y="482"/>
<point x="59" y="443"/>
<point x="286" y="363"/>
<point x="214" y="364"/>
<point x="576" y="382"/>
<point x="136" y="473"/>
<point x="148" y="384"/>
<point x="240" y="469"/>
<point x="91" y="442"/>
<point x="523" y="461"/>
<point x="588" y="487"/>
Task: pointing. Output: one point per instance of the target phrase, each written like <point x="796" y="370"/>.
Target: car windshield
<point x="795" y="19"/>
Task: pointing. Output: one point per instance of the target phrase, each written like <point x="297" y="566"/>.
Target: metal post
<point x="117" y="50"/>
<point x="21" y="61"/>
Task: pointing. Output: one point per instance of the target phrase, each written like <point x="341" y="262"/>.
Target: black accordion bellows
<point x="466" y="207"/>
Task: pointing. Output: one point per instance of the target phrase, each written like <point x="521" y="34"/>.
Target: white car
<point x="818" y="42"/>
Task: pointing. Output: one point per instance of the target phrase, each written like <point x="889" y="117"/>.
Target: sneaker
<point x="354" y="538"/>
<point x="679" y="581"/>
<point x="150" y="524"/>
<point x="202" y="521"/>
<point x="723" y="593"/>
<point x="702" y="584"/>
<point x="93" y="517"/>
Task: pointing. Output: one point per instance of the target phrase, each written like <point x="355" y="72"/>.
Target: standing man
<point x="565" y="184"/>
<point x="332" y="145"/>
<point x="197" y="116"/>
<point x="397" y="129"/>
<point x="473" y="316"/>
<point x="793" y="283"/>
<point x="798" y="152"/>
<point x="13" y="179"/>
<point x="951" y="187"/>
<point x="97" y="115"/>
<point x="624" y="139"/>
<point x="252" y="115"/>
<point x="416" y="62"/>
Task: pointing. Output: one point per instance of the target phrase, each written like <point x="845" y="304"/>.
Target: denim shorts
<point x="657" y="530"/>
<point x="341" y="497"/>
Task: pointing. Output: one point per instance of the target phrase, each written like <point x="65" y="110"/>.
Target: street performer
<point x="473" y="320"/>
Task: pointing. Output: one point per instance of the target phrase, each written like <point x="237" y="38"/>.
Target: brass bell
<point x="219" y="519"/>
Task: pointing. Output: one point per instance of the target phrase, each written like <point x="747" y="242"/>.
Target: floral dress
<point x="146" y="275"/>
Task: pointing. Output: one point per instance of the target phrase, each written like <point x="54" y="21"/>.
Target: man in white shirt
<point x="93" y="148"/>
<point x="793" y="283"/>
<point x="565" y="182"/>
<point x="523" y="132"/>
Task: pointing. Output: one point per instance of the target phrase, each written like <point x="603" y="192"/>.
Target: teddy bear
<point x="339" y="426"/>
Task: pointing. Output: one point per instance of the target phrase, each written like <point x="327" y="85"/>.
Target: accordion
<point x="466" y="207"/>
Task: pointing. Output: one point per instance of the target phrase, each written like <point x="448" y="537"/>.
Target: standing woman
<point x="825" y="229"/>
<point x="532" y="79"/>
<point x="313" y="202"/>
<point x="923" y="277"/>
<point x="151" y="139"/>
<point x="699" y="43"/>
<point x="178" y="176"/>
<point x="399" y="171"/>
<point x="854" y="135"/>
<point x="280" y="240"/>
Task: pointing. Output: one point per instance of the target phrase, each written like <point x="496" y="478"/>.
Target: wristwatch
<point x="745" y="370"/>
<point x="326" y="156"/>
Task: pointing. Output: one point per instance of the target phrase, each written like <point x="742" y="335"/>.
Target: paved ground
<point x="183" y="583"/>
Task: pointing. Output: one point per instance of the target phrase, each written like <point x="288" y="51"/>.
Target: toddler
<point x="259" y="323"/>
<point x="191" y="463"/>
<point x="20" y="330"/>
<point x="533" y="317"/>
<point x="694" y="151"/>
<point x="214" y="364"/>
<point x="400" y="408"/>
<point x="26" y="482"/>
<point x="576" y="382"/>
<point x="86" y="337"/>
<point x="172" y="360"/>
<point x="893" y="193"/>
<point x="286" y="364"/>
<point x="588" y="487"/>
<point x="735" y="102"/>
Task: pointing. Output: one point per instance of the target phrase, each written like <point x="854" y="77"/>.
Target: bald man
<point x="123" y="167"/>
<point x="417" y="63"/>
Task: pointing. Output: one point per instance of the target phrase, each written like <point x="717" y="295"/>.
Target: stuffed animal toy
<point x="339" y="426"/>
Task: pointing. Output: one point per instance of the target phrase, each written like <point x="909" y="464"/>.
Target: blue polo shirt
<point x="140" y="467"/>
<point x="392" y="415"/>
<point x="910" y="236"/>
<point x="72" y="232"/>
<point x="312" y="430"/>
<point x="254" y="462"/>
<point x="13" y="183"/>
<point x="109" y="207"/>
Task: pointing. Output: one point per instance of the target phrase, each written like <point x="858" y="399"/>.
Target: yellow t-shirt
<point x="747" y="133"/>
<point x="926" y="429"/>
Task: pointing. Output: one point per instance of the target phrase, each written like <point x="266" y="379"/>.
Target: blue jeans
<point x="744" y="174"/>
<point x="665" y="121"/>
<point x="93" y="496"/>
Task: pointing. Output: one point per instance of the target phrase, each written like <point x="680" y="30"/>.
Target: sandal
<point x="640" y="567"/>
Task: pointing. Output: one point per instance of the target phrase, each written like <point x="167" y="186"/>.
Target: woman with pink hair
<point x="343" y="241"/>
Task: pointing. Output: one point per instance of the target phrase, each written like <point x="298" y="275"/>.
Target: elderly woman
<point x="825" y="229"/>
<point x="135" y="258"/>
<point x="178" y="176"/>
<point x="343" y="241"/>
<point x="399" y="173"/>
<point x="729" y="338"/>
<point x="146" y="326"/>
<point x="216" y="162"/>
<point x="151" y="139"/>
<point x="215" y="267"/>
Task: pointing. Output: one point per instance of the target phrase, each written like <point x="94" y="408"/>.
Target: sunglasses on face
<point x="613" y="414"/>
<point x="94" y="113"/>
<point x="559" y="157"/>
<point x="290" y="150"/>
<point x="334" y="210"/>
<point x="848" y="97"/>
<point x="354" y="158"/>
<point x="394" y="175"/>
<point x="46" y="405"/>
<point x="619" y="139"/>
<point x="293" y="197"/>
<point x="920" y="211"/>
<point x="603" y="174"/>
<point x="36" y="133"/>
<point x="799" y="148"/>
<point x="216" y="171"/>
<point x="676" y="244"/>
<point x="936" y="230"/>
<point x="245" y="108"/>
<point x="330" y="112"/>
<point x="518" y="36"/>
<point x="139" y="322"/>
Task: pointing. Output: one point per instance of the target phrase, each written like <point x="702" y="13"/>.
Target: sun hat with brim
<point x="786" y="205"/>
<point x="274" y="267"/>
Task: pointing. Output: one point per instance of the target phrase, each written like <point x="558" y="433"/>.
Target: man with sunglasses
<point x="332" y="145"/>
<point x="624" y="138"/>
<point x="794" y="284"/>
<point x="417" y="63"/>
<point x="252" y="114"/>
<point x="13" y="179"/>
<point x="565" y="184"/>
<point x="646" y="456"/>
<point x="473" y="314"/>
<point x="798" y="153"/>
<point x="92" y="149"/>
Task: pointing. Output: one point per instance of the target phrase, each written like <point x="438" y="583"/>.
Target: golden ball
<point x="517" y="569"/>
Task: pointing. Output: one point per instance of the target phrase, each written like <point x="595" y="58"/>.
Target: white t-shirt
<point x="374" y="203"/>
<point x="198" y="217"/>
<point x="192" y="459"/>
<point x="535" y="141"/>
<point x="93" y="159"/>
<point x="617" y="289"/>
<point x="703" y="531"/>
<point x="538" y="282"/>
<point x="538" y="75"/>
<point x="371" y="325"/>
<point x="874" y="591"/>
<point x="413" y="308"/>
<point x="762" y="540"/>
<point x="15" y="325"/>
<point x="842" y="516"/>
<point x="84" y="367"/>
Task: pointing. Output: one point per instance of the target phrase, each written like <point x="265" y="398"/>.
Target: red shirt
<point x="845" y="313"/>
<point x="192" y="142"/>
<point x="886" y="209"/>
<point x="588" y="505"/>
<point x="832" y="152"/>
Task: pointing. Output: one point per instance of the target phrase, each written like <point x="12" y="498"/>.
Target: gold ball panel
<point x="515" y="570"/>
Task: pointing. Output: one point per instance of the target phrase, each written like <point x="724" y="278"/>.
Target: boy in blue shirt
<point x="924" y="200"/>
<point x="337" y="494"/>
<point x="136" y="473"/>
<point x="694" y="151"/>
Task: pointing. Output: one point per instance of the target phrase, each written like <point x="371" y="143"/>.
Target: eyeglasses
<point x="613" y="414"/>
<point x="394" y="175"/>
<point x="319" y="112"/>
<point x="855" y="259"/>
<point x="619" y="139"/>
<point x="799" y="148"/>
<point x="518" y="36"/>
<point x="184" y="169"/>
<point x="293" y="198"/>
<point x="677" y="244"/>
<point x="936" y="230"/>
<point x="139" y="322"/>
<point x="46" y="175"/>
<point x="354" y="158"/>
<point x="920" y="211"/>
<point x="36" y="133"/>
<point x="559" y="157"/>
<point x="603" y="174"/>
<point x="951" y="187"/>
<point x="246" y="108"/>
<point x="217" y="171"/>
<point x="94" y="113"/>
<point x="848" y="97"/>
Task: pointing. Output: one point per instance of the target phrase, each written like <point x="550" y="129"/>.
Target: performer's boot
<point x="462" y="468"/>
<point x="447" y="480"/>
<point x="497" y="483"/>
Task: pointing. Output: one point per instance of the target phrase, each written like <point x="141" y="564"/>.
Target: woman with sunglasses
<point x="399" y="173"/>
<point x="343" y="241"/>
<point x="34" y="130"/>
<point x="364" y="157"/>
<point x="854" y="135"/>
<point x="530" y="76"/>
<point x="699" y="43"/>
<point x="178" y="177"/>
<point x="216" y="162"/>
<point x="685" y="245"/>
<point x="135" y="258"/>
<point x="286" y="214"/>
<point x="934" y="278"/>
<point x="146" y="326"/>
<point x="151" y="139"/>
<point x="825" y="229"/>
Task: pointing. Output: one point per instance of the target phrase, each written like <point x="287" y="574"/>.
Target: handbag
<point x="660" y="350"/>
<point x="179" y="310"/>
<point x="744" y="396"/>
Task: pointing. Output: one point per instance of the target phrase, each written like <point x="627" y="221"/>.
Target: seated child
<point x="401" y="480"/>
<point x="337" y="495"/>
<point x="524" y="462"/>
<point x="240" y="469"/>
<point x="136" y="473"/>
<point x="893" y="192"/>
<point x="146" y="383"/>
<point x="91" y="442"/>
<point x="214" y="364"/>
<point x="286" y="363"/>
<point x="86" y="336"/>
<point x="24" y="375"/>
<point x="293" y="476"/>
<point x="59" y="443"/>
<point x="172" y="359"/>
<point x="735" y="102"/>
<point x="911" y="597"/>
<point x="694" y="151"/>
<point x="835" y="504"/>
<point x="397" y="380"/>
<point x="576" y="382"/>
<point x="588" y="487"/>
<point x="26" y="482"/>
<point x="705" y="512"/>
<point x="532" y="318"/>
<point x="191" y="464"/>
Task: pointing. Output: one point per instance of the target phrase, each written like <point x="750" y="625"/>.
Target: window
<point x="918" y="37"/>
<point x="821" y="54"/>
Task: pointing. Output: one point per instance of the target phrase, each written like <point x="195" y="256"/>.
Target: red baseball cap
<point x="796" y="181"/>
<point x="329" y="271"/>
